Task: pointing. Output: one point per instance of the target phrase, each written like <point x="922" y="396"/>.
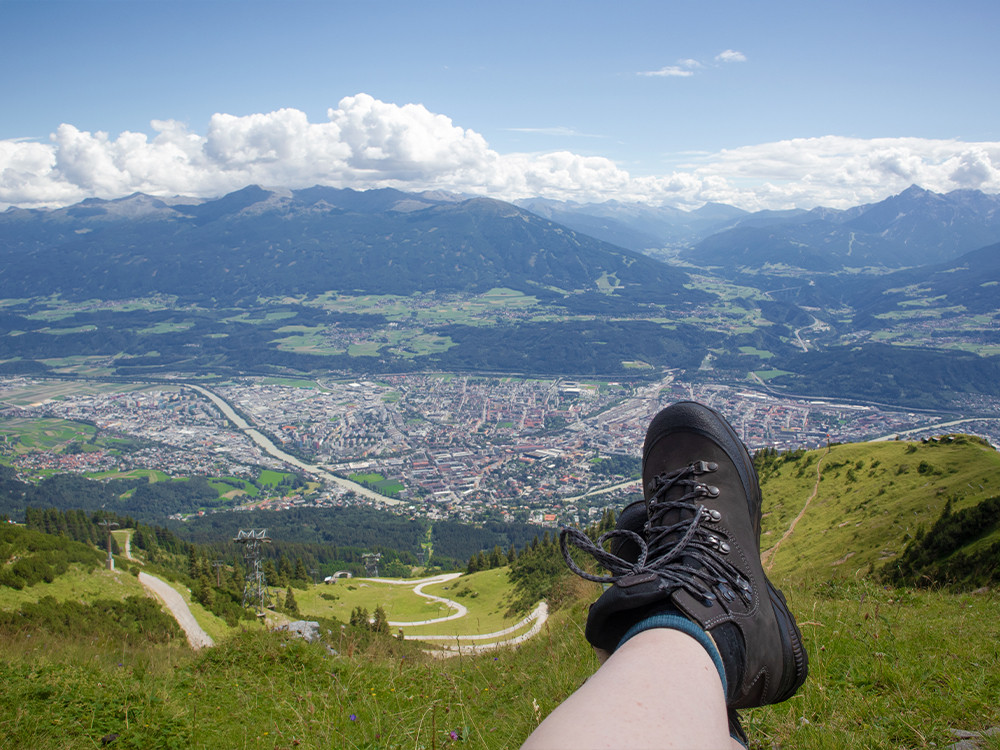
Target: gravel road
<point x="197" y="637"/>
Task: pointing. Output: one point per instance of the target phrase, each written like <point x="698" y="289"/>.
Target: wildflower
<point x="453" y="734"/>
<point x="353" y="717"/>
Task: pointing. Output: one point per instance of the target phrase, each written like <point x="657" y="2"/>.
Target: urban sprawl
<point x="444" y="446"/>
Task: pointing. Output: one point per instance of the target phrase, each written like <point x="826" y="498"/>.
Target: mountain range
<point x="260" y="243"/>
<point x="718" y="290"/>
<point x="916" y="227"/>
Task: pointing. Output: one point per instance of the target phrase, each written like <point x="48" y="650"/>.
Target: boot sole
<point x="795" y="659"/>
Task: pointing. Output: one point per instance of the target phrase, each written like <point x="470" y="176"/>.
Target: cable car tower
<point x="255" y="585"/>
<point x="371" y="560"/>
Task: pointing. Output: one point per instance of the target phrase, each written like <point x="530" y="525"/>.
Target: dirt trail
<point x="459" y="646"/>
<point x="767" y="557"/>
<point x="498" y="639"/>
<point x="197" y="637"/>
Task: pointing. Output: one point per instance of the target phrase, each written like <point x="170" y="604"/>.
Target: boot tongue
<point x="672" y="506"/>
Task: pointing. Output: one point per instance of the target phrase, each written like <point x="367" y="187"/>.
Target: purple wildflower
<point x="353" y="717"/>
<point x="453" y="734"/>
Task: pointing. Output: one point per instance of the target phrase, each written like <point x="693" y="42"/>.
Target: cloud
<point x="730" y="56"/>
<point x="366" y="143"/>
<point x="559" y="130"/>
<point x="683" y="69"/>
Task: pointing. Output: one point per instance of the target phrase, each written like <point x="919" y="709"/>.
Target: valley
<point x="444" y="381"/>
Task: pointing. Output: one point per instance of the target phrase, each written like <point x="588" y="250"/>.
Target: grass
<point x="77" y="584"/>
<point x="889" y="669"/>
<point x="399" y="601"/>
<point x="485" y="594"/>
<point x="272" y="478"/>
<point x="150" y="475"/>
<point x="870" y="499"/>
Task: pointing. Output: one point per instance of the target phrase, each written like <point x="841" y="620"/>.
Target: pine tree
<point x="194" y="568"/>
<point x="203" y="591"/>
<point x="291" y="606"/>
<point x="301" y="574"/>
<point x="381" y="622"/>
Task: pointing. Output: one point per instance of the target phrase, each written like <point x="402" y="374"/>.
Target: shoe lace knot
<point x="678" y="544"/>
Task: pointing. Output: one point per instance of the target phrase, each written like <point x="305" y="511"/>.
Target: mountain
<point x="638" y="226"/>
<point x="970" y="282"/>
<point x="257" y="243"/>
<point x="916" y="227"/>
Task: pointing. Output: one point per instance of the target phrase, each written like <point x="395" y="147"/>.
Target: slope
<point x="870" y="500"/>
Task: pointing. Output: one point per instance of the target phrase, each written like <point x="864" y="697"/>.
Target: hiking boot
<point x="692" y="547"/>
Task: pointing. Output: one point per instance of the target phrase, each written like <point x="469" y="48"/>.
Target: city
<point x="439" y="445"/>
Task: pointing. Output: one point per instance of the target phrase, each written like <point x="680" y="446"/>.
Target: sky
<point x="762" y="105"/>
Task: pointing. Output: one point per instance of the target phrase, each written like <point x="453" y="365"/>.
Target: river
<point x="271" y="449"/>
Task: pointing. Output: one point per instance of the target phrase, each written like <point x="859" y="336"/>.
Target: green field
<point x="388" y="487"/>
<point x="150" y="475"/>
<point x="273" y="478"/>
<point x="887" y="671"/>
<point x="44" y="434"/>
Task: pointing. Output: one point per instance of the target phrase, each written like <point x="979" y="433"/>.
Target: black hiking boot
<point x="693" y="547"/>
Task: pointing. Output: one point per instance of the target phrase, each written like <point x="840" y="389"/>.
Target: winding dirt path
<point x="767" y="557"/>
<point x="457" y="645"/>
<point x="537" y="617"/>
<point x="196" y="637"/>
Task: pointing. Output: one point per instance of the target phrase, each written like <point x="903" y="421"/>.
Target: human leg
<point x="660" y="689"/>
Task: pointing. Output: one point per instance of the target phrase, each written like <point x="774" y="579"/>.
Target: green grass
<point x="150" y="475"/>
<point x="871" y="496"/>
<point x="76" y="584"/>
<point x="485" y="594"/>
<point x="889" y="669"/>
<point x="399" y="601"/>
<point x="272" y="478"/>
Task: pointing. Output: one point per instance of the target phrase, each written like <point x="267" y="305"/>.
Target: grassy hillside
<point x="865" y="502"/>
<point x="890" y="667"/>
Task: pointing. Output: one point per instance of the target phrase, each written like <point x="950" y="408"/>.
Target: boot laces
<point x="685" y="553"/>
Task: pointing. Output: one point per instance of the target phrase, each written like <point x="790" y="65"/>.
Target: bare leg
<point x="659" y="690"/>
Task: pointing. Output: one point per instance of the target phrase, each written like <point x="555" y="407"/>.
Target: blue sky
<point x="766" y="104"/>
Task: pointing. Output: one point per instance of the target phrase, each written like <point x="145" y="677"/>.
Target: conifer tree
<point x="301" y="574"/>
<point x="194" y="569"/>
<point x="381" y="622"/>
<point x="291" y="606"/>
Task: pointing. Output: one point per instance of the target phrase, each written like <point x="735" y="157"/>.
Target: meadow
<point x="889" y="667"/>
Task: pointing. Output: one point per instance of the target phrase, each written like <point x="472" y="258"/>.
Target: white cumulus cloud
<point x="730" y="55"/>
<point x="366" y="143"/>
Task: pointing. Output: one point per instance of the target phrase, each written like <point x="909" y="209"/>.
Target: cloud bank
<point x="366" y="143"/>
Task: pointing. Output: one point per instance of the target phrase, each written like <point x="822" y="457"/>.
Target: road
<point x="271" y="449"/>
<point x="455" y="645"/>
<point x="197" y="637"/>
